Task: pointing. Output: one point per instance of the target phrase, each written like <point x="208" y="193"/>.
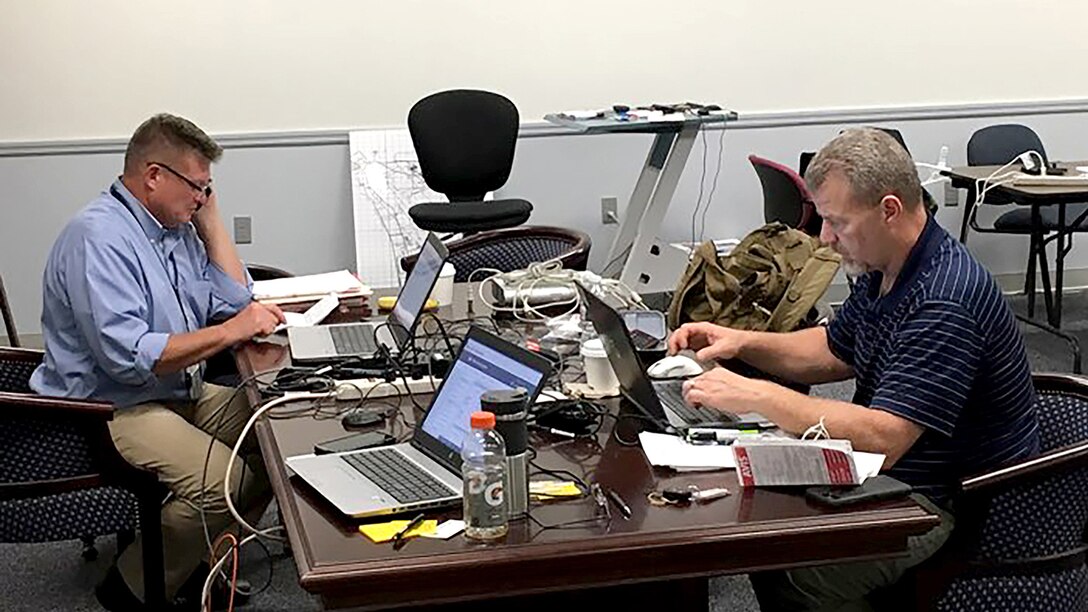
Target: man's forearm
<point x="801" y="356"/>
<point x="868" y="429"/>
<point x="183" y="350"/>
<point x="220" y="247"/>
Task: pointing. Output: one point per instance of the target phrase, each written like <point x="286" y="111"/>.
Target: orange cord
<point x="233" y="551"/>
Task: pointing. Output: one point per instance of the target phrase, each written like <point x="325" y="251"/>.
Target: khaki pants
<point x="843" y="587"/>
<point x="172" y="440"/>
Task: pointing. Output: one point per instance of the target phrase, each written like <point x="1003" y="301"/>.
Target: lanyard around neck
<point x="162" y="260"/>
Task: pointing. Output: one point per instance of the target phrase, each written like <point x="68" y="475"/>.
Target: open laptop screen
<point x="485" y="363"/>
<point x="417" y="287"/>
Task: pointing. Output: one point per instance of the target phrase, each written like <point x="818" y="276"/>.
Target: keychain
<point x="683" y="497"/>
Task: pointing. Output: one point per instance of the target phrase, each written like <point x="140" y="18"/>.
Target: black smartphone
<point x="643" y="341"/>
<point x="356" y="441"/>
<point x="874" y="488"/>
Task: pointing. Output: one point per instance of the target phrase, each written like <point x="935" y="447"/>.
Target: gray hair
<point x="874" y="165"/>
<point x="168" y="135"/>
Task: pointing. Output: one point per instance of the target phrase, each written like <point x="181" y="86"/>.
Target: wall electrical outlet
<point x="951" y="195"/>
<point x="243" y="230"/>
<point x="609" y="211"/>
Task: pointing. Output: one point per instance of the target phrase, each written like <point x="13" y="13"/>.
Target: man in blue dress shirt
<point x="943" y="387"/>
<point x="132" y="289"/>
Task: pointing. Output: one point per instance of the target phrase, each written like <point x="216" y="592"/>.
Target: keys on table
<point x="685" y="496"/>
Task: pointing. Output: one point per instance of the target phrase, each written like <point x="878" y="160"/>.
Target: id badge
<point x="194" y="375"/>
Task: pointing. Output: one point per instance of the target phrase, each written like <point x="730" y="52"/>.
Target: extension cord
<point x="372" y="388"/>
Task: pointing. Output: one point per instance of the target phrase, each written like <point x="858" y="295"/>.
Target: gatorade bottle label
<point x="493" y="494"/>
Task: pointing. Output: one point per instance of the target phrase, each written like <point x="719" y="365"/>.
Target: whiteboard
<point x="78" y="70"/>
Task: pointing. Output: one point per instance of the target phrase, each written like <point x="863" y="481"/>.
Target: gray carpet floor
<point x="54" y="576"/>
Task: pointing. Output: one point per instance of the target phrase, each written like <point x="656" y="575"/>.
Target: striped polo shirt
<point x="941" y="349"/>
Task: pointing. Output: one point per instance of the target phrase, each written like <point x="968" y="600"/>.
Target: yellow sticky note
<point x="383" y="532"/>
<point x="554" y="488"/>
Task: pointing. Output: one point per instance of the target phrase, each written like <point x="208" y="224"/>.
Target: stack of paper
<point x="788" y="461"/>
<point x="309" y="288"/>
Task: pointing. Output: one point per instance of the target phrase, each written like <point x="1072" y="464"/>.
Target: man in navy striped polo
<point x="943" y="384"/>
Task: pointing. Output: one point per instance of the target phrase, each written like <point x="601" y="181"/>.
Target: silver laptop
<point x="365" y="340"/>
<point x="662" y="401"/>
<point x="426" y="472"/>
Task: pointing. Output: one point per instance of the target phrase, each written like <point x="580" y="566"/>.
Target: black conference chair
<point x="61" y="477"/>
<point x="786" y="198"/>
<point x="1022" y="530"/>
<point x="464" y="140"/>
<point x="998" y="145"/>
<point x="514" y="249"/>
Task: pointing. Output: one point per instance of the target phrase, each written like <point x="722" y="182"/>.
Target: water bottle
<point x="483" y="465"/>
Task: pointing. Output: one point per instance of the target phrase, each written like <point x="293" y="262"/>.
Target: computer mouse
<point x="674" y="366"/>
<point x="356" y="419"/>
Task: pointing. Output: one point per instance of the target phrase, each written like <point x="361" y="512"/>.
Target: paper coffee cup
<point x="599" y="374"/>
<point x="443" y="287"/>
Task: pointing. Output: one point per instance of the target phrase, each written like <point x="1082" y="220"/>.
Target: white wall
<point x="73" y="69"/>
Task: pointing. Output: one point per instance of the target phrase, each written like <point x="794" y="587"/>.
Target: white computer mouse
<point x="674" y="366"/>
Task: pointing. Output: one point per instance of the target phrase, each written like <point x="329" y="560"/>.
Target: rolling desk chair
<point x="514" y="249"/>
<point x="464" y="140"/>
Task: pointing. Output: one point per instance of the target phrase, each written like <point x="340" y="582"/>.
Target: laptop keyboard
<point x="398" y="476"/>
<point x="670" y="393"/>
<point x="354" y="339"/>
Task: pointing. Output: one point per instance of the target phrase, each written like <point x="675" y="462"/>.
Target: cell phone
<point x="875" y="488"/>
<point x="643" y="341"/>
<point x="356" y="441"/>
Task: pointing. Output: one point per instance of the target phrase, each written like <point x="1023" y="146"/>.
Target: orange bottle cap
<point x="482" y="420"/>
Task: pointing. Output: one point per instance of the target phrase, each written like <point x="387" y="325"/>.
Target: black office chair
<point x="514" y="249"/>
<point x="786" y="198"/>
<point x="464" y="140"/>
<point x="998" y="145"/>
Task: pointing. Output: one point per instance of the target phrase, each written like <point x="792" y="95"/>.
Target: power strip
<point x="379" y="387"/>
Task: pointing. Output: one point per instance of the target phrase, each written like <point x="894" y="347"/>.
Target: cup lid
<point x="593" y="349"/>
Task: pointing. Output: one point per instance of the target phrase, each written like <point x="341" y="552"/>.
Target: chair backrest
<point x="9" y="319"/>
<point x="1050" y="515"/>
<point x="35" y="447"/>
<point x="464" y="140"/>
<point x="514" y="249"/>
<point x="996" y="145"/>
<point x="259" y="272"/>
<point x="786" y="198"/>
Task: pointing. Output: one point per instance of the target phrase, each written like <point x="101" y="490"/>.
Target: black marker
<point x="625" y="510"/>
<point x="399" y="539"/>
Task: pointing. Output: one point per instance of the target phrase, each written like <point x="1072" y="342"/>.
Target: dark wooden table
<point x="660" y="556"/>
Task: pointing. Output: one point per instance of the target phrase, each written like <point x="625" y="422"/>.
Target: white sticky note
<point x="446" y="530"/>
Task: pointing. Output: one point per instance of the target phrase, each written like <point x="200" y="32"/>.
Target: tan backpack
<point x="769" y="282"/>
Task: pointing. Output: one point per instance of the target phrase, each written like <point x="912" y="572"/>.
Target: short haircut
<point x="874" y="165"/>
<point x="166" y="135"/>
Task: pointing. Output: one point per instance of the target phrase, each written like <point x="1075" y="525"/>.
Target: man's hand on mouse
<point x="723" y="389"/>
<point x="709" y="341"/>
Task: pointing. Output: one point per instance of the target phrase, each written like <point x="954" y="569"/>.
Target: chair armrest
<point x="29" y="404"/>
<point x="21" y="354"/>
<point x="991" y="483"/>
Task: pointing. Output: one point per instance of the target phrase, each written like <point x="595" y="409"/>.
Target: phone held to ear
<point x="875" y="488"/>
<point x="357" y="441"/>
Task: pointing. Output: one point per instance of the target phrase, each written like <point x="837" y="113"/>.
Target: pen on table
<point x="625" y="510"/>
<point x="399" y="539"/>
<point x="717" y="436"/>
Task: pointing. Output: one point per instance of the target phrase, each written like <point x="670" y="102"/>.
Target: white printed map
<point x="385" y="183"/>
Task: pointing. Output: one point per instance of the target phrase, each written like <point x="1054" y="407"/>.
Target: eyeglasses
<point x="204" y="189"/>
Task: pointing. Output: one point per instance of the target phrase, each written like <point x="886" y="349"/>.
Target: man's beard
<point x="854" y="269"/>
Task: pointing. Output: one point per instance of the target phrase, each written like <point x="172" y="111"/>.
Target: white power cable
<point x="291" y="397"/>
